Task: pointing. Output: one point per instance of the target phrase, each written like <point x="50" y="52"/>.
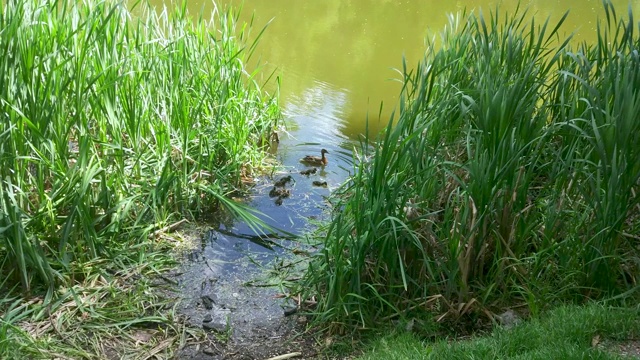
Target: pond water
<point x="336" y="58"/>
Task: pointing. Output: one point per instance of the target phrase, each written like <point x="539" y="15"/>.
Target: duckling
<point x="283" y="181"/>
<point x="274" y="141"/>
<point x="316" y="160"/>
<point x="309" y="172"/>
<point x="280" y="192"/>
<point x="283" y="194"/>
<point x="320" y="183"/>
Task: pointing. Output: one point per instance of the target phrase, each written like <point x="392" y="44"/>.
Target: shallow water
<point x="232" y="257"/>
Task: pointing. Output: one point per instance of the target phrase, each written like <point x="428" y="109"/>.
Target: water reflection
<point x="318" y="113"/>
<point x="354" y="45"/>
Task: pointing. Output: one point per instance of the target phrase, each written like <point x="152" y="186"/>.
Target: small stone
<point x="208" y="301"/>
<point x="207" y="318"/>
<point x="290" y="310"/>
<point x="209" y="351"/>
<point x="217" y="326"/>
<point x="509" y="319"/>
<point x="410" y="325"/>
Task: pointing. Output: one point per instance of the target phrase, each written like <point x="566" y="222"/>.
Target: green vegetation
<point x="113" y="127"/>
<point x="118" y="310"/>
<point x="592" y="332"/>
<point x="509" y="176"/>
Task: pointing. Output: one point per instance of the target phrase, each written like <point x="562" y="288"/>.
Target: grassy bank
<point x="113" y="127"/>
<point x="509" y="176"/>
<point x="567" y="332"/>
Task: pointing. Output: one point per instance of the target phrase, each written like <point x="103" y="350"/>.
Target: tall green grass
<point x="113" y="125"/>
<point x="510" y="175"/>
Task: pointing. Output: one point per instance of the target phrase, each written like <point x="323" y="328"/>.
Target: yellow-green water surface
<point x="336" y="57"/>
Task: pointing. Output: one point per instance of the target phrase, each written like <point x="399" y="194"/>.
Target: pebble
<point x="217" y="326"/>
<point x="208" y="301"/>
<point x="290" y="310"/>
<point x="509" y="319"/>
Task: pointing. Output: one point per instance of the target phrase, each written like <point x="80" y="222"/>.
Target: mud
<point x="243" y="321"/>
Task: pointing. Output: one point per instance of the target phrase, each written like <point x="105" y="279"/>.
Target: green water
<point x="336" y="58"/>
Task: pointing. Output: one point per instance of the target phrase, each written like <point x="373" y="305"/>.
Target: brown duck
<point x="316" y="160"/>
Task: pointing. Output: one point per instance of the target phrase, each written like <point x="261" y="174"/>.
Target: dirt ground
<point x="256" y="327"/>
<point x="243" y="311"/>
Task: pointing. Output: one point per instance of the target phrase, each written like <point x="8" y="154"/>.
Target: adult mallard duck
<point x="316" y="160"/>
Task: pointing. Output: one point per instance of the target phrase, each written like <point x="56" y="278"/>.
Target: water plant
<point x="508" y="175"/>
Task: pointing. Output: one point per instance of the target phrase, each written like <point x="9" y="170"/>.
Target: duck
<point x="283" y="181"/>
<point x="309" y="172"/>
<point x="279" y="192"/>
<point x="272" y="144"/>
<point x="316" y="160"/>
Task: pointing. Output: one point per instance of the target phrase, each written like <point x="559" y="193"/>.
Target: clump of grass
<point x="509" y="176"/>
<point x="113" y="126"/>
<point x="119" y="310"/>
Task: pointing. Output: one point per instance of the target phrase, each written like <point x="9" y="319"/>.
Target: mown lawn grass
<point x="114" y="127"/>
<point x="567" y="332"/>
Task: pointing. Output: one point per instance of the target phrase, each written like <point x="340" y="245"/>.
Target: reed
<point x="509" y="175"/>
<point x="114" y="125"/>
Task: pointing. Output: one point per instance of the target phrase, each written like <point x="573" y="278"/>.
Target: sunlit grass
<point x="509" y="176"/>
<point x="591" y="332"/>
<point x="112" y="128"/>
